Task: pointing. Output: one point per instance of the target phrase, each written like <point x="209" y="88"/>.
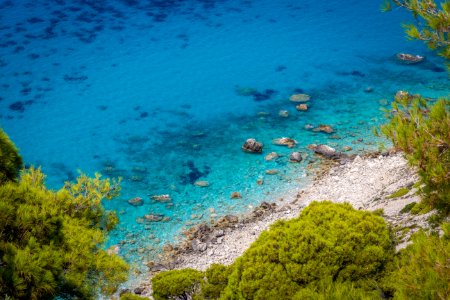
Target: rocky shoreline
<point x="367" y="183"/>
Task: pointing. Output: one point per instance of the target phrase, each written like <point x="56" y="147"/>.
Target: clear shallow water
<point x="146" y="90"/>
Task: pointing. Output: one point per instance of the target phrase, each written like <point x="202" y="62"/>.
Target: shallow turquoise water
<point x="146" y="90"/>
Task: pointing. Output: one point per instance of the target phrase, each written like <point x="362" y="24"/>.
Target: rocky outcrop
<point x="252" y="146"/>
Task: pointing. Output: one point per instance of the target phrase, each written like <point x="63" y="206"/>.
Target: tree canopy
<point x="51" y="241"/>
<point x="433" y="26"/>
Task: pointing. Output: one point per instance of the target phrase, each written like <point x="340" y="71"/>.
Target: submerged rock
<point x="252" y="146"/>
<point x="153" y="217"/>
<point x="324" y="128"/>
<point x="161" y="198"/>
<point x="283" y="113"/>
<point x="284" y="141"/>
<point x="299" y="98"/>
<point x="137" y="201"/>
<point x="272" y="172"/>
<point x="295" y="157"/>
<point x="302" y="107"/>
<point x="201" y="183"/>
<point x="271" y="156"/>
<point x="235" y="195"/>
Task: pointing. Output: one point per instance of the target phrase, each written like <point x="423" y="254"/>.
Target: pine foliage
<point x="433" y="26"/>
<point x="176" y="284"/>
<point x="328" y="252"/>
<point x="327" y="241"/>
<point x="10" y="160"/>
<point x="50" y="242"/>
<point x="422" y="132"/>
<point x="424" y="267"/>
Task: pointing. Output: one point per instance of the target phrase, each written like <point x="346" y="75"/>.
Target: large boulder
<point x="252" y="146"/>
<point x="325" y="150"/>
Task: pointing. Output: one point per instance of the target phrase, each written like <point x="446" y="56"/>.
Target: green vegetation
<point x="10" y="160"/>
<point x="130" y="296"/>
<point x="326" y="241"/>
<point x="176" y="283"/>
<point x="434" y="24"/>
<point x="422" y="132"/>
<point x="408" y="208"/>
<point x="329" y="249"/>
<point x="423" y="270"/>
<point x="50" y="242"/>
<point x="399" y="193"/>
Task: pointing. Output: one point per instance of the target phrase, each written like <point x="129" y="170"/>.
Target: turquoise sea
<point x="164" y="94"/>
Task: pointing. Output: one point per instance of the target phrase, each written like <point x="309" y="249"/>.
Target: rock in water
<point x="201" y="183"/>
<point x="161" y="198"/>
<point x="283" y="113"/>
<point x="235" y="195"/>
<point x="271" y="156"/>
<point x="325" y="150"/>
<point x="324" y="128"/>
<point x="252" y="146"/>
<point x="295" y="157"/>
<point x="302" y="107"/>
<point x="284" y="141"/>
<point x="137" y="201"/>
<point x="299" y="98"/>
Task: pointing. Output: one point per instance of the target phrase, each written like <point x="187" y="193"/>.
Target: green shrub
<point x="408" y="207"/>
<point x="10" y="160"/>
<point x="50" y="242"/>
<point x="326" y="289"/>
<point x="422" y="132"/>
<point x="424" y="268"/>
<point x="130" y="296"/>
<point x="216" y="281"/>
<point x="176" y="283"/>
<point x="326" y="241"/>
<point x="399" y="193"/>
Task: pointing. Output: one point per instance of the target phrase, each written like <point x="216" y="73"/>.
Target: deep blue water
<point x="147" y="90"/>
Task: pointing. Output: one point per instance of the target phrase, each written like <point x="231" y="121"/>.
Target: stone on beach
<point x="252" y="146"/>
